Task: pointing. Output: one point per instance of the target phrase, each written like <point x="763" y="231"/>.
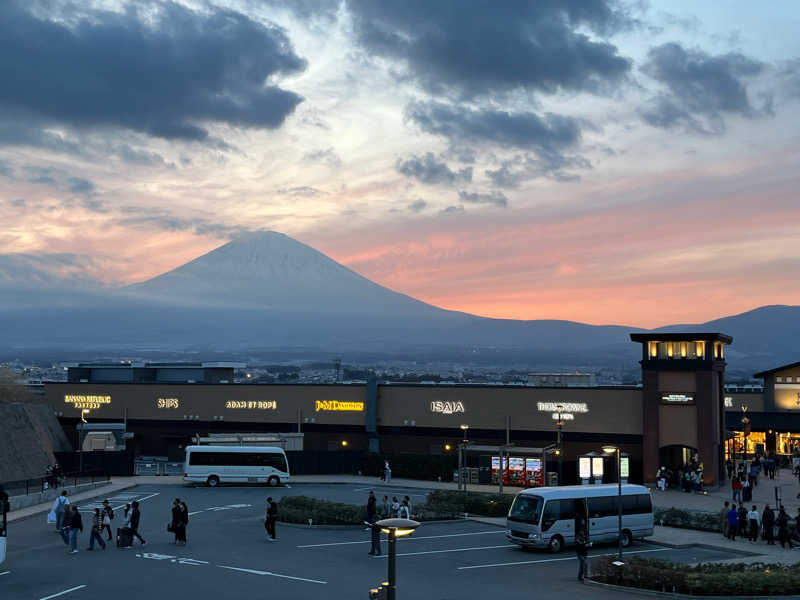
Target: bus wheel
<point x="627" y="538"/>
<point x="556" y="544"/>
<point x="213" y="481"/>
<point x="273" y="481"/>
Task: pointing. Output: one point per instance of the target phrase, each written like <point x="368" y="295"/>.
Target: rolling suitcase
<point x="124" y="537"/>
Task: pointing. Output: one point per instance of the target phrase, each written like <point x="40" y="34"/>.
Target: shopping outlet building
<point x="680" y="411"/>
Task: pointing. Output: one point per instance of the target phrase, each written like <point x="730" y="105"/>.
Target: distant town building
<point x="575" y="379"/>
<point x="147" y="372"/>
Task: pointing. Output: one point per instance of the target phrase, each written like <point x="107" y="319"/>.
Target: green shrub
<point x="757" y="579"/>
<point x="299" y="509"/>
<point x="454" y="503"/>
<point x="687" y="519"/>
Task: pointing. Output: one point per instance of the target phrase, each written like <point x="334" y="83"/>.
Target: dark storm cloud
<point x="547" y="134"/>
<point x="487" y="46"/>
<point x="702" y="88"/>
<point x="518" y="169"/>
<point x="417" y="206"/>
<point x="428" y="169"/>
<point x="79" y="185"/>
<point x="157" y="68"/>
<point x="19" y="133"/>
<point x="498" y="199"/>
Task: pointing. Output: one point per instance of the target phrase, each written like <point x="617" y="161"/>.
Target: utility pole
<point x="559" y="450"/>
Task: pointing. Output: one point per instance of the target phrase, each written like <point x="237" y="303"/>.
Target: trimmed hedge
<point x="450" y="503"/>
<point x="757" y="579"/>
<point x="299" y="509"/>
<point x="687" y="519"/>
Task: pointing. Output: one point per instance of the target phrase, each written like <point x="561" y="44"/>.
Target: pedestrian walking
<point x="582" y="549"/>
<point x="271" y="519"/>
<point x="403" y="512"/>
<point x="747" y="490"/>
<point x="733" y="522"/>
<point x="754" y="520"/>
<point x="73" y="525"/>
<point x="60" y="506"/>
<point x="108" y="516"/>
<point x="134" y="519"/>
<point x="386" y="507"/>
<point x="768" y="525"/>
<point x="395" y="507"/>
<point x="372" y="519"/>
<point x="387" y="472"/>
<point x="97" y="528"/>
<point x="736" y="486"/>
<point x="723" y="518"/>
<point x="783" y="528"/>
<point x="407" y="500"/>
<point x="184" y="523"/>
<point x="742" y="521"/>
<point x="176" y="520"/>
<point x="729" y="468"/>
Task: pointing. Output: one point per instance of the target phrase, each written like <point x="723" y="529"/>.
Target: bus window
<point x="526" y="509"/>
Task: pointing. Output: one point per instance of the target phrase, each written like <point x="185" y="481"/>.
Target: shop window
<point x="778" y="379"/>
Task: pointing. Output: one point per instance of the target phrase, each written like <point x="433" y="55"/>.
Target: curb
<point x="656" y="594"/>
<point x="736" y="551"/>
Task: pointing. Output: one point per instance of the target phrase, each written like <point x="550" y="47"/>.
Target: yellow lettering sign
<point x="337" y="406"/>
<point x="252" y="404"/>
<point x="86" y="401"/>
<point x="168" y="403"/>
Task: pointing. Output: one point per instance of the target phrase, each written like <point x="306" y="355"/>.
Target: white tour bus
<point x="545" y="517"/>
<point x="236" y="464"/>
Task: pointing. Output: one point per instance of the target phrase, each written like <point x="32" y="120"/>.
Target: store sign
<point x="584" y="467"/>
<point x="447" y="407"/>
<point x="563" y="410"/>
<point x="677" y="398"/>
<point x="167" y="403"/>
<point x="728" y="400"/>
<point x="624" y="466"/>
<point x="88" y="402"/>
<point x="597" y="466"/>
<point x="337" y="406"/>
<point x="252" y="404"/>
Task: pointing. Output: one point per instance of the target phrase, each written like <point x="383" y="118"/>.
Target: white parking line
<point x="254" y="572"/>
<point x="547" y="560"/>
<point x="452" y="550"/>
<point x="389" y="491"/>
<point x="4" y="573"/>
<point x="80" y="587"/>
<point x="421" y="537"/>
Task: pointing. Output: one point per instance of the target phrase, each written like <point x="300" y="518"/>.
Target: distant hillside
<point x="267" y="290"/>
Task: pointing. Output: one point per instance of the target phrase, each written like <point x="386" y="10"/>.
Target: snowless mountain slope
<point x="271" y="270"/>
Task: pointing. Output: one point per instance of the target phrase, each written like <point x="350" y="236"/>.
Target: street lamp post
<point x="462" y="448"/>
<point x="617" y="450"/>
<point x="559" y="450"/>
<point x="745" y="431"/>
<point x="394" y="528"/>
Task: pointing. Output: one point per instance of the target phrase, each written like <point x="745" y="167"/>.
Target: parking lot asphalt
<point x="228" y="555"/>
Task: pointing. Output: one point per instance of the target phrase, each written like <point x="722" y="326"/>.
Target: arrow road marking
<point x="254" y="572"/>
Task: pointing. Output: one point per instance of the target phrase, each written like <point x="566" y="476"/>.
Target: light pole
<point x="745" y="431"/>
<point x="559" y="451"/>
<point x="617" y="450"/>
<point x="394" y="528"/>
<point x="462" y="448"/>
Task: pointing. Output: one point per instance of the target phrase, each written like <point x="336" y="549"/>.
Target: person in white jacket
<point x="59" y="506"/>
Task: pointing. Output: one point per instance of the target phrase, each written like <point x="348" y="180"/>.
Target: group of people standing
<point x="179" y="522"/>
<point x="689" y="478"/>
<point x="385" y="510"/>
<point x="752" y="524"/>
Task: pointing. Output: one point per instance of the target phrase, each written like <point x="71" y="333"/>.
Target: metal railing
<point x="40" y="485"/>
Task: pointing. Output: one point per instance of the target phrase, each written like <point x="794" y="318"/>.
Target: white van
<point x="545" y="517"/>
<point x="236" y="464"/>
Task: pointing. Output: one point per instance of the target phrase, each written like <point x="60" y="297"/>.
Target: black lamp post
<point x="395" y="528"/>
<point x="745" y="431"/>
<point x="559" y="449"/>
<point x="612" y="450"/>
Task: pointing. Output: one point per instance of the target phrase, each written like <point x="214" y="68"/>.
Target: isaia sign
<point x="447" y="407"/>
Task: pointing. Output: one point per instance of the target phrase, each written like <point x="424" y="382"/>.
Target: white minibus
<point x="236" y="464"/>
<point x="545" y="517"/>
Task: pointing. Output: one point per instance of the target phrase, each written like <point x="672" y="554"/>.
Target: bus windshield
<point x="526" y="509"/>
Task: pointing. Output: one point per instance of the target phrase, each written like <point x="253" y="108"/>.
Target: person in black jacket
<point x="177" y="517"/>
<point x="783" y="528"/>
<point x="582" y="549"/>
<point x="107" y="514"/>
<point x="372" y="519"/>
<point x="271" y="519"/>
<point x="73" y="524"/>
<point x="768" y="525"/>
<point x="133" y="522"/>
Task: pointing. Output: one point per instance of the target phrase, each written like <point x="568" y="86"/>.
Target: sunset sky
<point x="630" y="163"/>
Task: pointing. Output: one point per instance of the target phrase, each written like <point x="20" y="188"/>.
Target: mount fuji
<point x="267" y="290"/>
